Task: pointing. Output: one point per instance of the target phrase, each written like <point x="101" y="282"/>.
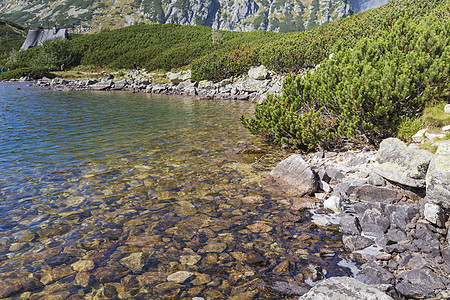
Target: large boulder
<point x="398" y="163"/>
<point x="295" y="175"/>
<point x="258" y="73"/>
<point x="344" y="288"/>
<point x="176" y="78"/>
<point x="438" y="177"/>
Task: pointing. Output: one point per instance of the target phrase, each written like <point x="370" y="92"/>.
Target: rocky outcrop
<point x="242" y="15"/>
<point x="398" y="163"/>
<point x="438" y="177"/>
<point x="295" y="175"/>
<point x="344" y="288"/>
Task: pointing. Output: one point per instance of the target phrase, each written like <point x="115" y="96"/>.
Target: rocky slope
<point x="242" y="15"/>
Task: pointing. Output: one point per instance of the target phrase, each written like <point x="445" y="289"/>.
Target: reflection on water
<point x="105" y="195"/>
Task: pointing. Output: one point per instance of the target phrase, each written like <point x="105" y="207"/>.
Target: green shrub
<point x="361" y="93"/>
<point x="53" y="53"/>
<point x="35" y="73"/>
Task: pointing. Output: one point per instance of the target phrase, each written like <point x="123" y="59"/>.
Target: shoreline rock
<point x="253" y="86"/>
<point x="400" y="234"/>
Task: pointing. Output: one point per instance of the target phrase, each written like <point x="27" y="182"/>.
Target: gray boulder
<point x="294" y="173"/>
<point x="356" y="242"/>
<point x="176" y="78"/>
<point x="434" y="214"/>
<point x="438" y="177"/>
<point x="373" y="223"/>
<point x="424" y="277"/>
<point x="258" y="73"/>
<point x="372" y="193"/>
<point x="349" y="224"/>
<point x="398" y="163"/>
<point x="415" y="291"/>
<point x="402" y="215"/>
<point x="102" y="85"/>
<point x="344" y="288"/>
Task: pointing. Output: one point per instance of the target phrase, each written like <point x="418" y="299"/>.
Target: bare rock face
<point x="398" y="163"/>
<point x="344" y="288"/>
<point x="438" y="177"/>
<point x="296" y="175"/>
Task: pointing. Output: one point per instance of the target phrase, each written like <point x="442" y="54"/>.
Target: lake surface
<point x="105" y="195"/>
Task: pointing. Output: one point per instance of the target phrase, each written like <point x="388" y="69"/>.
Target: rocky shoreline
<point x="392" y="206"/>
<point x="253" y="86"/>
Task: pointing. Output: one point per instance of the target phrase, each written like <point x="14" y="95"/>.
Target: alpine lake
<point x="110" y="195"/>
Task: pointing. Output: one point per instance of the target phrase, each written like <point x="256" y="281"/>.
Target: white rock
<point x="434" y="214"/>
<point x="179" y="277"/>
<point x="334" y="203"/>
<point x="432" y="136"/>
<point x="446" y="128"/>
<point x="258" y="73"/>
<point x="447" y="108"/>
<point x="322" y="223"/>
<point x="324" y="186"/>
<point x="419" y="136"/>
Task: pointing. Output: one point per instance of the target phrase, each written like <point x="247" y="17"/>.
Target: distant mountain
<point x="240" y="15"/>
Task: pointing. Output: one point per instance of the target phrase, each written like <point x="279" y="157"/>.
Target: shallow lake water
<point x="107" y="195"/>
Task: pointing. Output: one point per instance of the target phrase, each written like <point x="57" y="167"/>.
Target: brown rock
<point x="201" y="279"/>
<point x="281" y="268"/>
<point x="303" y="203"/>
<point x="84" y="279"/>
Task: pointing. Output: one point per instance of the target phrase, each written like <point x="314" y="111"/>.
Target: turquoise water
<point x="107" y="194"/>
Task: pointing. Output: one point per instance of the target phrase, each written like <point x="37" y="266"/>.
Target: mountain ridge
<point x="238" y="15"/>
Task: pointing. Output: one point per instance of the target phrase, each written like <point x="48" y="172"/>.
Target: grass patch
<point x="435" y="117"/>
<point x="409" y="127"/>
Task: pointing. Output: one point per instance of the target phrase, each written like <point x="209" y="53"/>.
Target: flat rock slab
<point x="344" y="288"/>
<point x="295" y="174"/>
<point x="398" y="163"/>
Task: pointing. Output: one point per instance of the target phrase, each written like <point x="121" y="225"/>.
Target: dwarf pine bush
<point x="361" y="93"/>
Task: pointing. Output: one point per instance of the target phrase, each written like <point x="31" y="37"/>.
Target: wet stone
<point x="201" y="279"/>
<point x="214" y="247"/>
<point x="179" y="277"/>
<point x="190" y="260"/>
<point x="135" y="262"/>
<point x="83" y="265"/>
<point x="84" y="279"/>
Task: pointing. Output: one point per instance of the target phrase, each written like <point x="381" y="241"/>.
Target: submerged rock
<point x="179" y="277"/>
<point x="242" y="147"/>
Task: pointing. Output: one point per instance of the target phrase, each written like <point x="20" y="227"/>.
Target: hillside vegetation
<point x="12" y="37"/>
<point x="369" y="86"/>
